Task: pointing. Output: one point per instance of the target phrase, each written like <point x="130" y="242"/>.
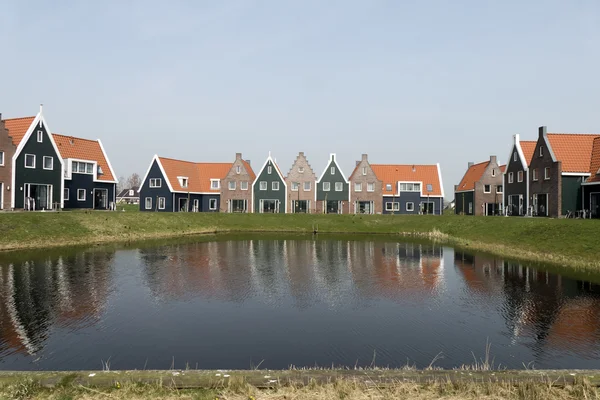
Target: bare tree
<point x="121" y="184"/>
<point x="134" y="180"/>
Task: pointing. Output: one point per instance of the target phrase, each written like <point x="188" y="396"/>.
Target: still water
<point x="275" y="303"/>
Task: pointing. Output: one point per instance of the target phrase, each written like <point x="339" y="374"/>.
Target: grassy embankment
<point x="371" y="384"/>
<point x="568" y="242"/>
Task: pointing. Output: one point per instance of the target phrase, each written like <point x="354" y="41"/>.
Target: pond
<point x="239" y="303"/>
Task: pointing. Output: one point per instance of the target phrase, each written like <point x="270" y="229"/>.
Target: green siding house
<point x="333" y="190"/>
<point x="269" y="190"/>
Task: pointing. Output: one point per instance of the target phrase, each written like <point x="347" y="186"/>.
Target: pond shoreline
<point x="563" y="243"/>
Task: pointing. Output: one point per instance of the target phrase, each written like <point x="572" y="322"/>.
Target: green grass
<point x="565" y="242"/>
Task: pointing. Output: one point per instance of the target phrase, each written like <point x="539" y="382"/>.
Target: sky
<point x="406" y="82"/>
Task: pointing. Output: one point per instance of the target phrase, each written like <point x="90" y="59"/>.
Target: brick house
<point x="516" y="177"/>
<point x="365" y="189"/>
<point x="236" y="188"/>
<point x="591" y="187"/>
<point x="301" y="186"/>
<point x="559" y="166"/>
<point x="7" y="151"/>
<point x="480" y="192"/>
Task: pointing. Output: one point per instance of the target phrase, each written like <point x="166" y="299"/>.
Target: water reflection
<point x="300" y="302"/>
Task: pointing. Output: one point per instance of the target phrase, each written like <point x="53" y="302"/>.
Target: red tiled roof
<point x="198" y="174"/>
<point x="84" y="149"/>
<point x="528" y="147"/>
<point x="473" y="175"/>
<point x="595" y="162"/>
<point x="391" y="174"/>
<point x="17" y="128"/>
<point x="249" y="170"/>
<point x="574" y="150"/>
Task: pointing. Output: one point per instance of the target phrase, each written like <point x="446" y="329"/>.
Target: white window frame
<point x="511" y="177"/>
<point x="364" y="170"/>
<point x="31" y="155"/>
<point x="183" y="181"/>
<point x="263" y="185"/>
<point x="160" y="200"/>
<point x="275" y="185"/>
<point x="416" y="187"/>
<point x="357" y="186"/>
<point x="520" y="175"/>
<point x="40" y="136"/>
<point x="211" y="202"/>
<point x="242" y="185"/>
<point x="84" y="194"/>
<point x="155" y="182"/>
<point x="231" y="185"/>
<point x="534" y="174"/>
<point x="66" y="193"/>
<point x="196" y="205"/>
<point x="326" y="186"/>
<point x="238" y="169"/>
<point x="487" y="191"/>
<point x="51" y="163"/>
<point x="339" y="186"/>
<point x="547" y="173"/>
<point x="412" y="206"/>
<point x="541" y="151"/>
<point x="392" y="206"/>
<point x="295" y="186"/>
<point x="470" y="207"/>
<point x="1" y="158"/>
<point x="213" y="186"/>
<point x="370" y="187"/>
<point x="515" y="156"/>
<point x="388" y="187"/>
<point x="301" y="170"/>
<point x="332" y="170"/>
<point x="493" y="172"/>
<point x="269" y="170"/>
<point x="499" y="189"/>
<point x="309" y="186"/>
<point x="146" y="206"/>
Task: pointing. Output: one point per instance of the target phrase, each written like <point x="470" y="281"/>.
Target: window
<point x="215" y="183"/>
<point x="395" y="206"/>
<point x="231" y="185"/>
<point x="40" y="136"/>
<point x="183" y="181"/>
<point x="307" y="186"/>
<point x="429" y="187"/>
<point x="547" y="173"/>
<point x="89" y="168"/>
<point x="131" y="193"/>
<point x="410" y="187"/>
<point x="534" y="174"/>
<point x="148" y="203"/>
<point x="29" y="161"/>
<point x="370" y="187"/>
<point x="269" y="170"/>
<point x="238" y="169"/>
<point x="510" y="177"/>
<point x="410" y="206"/>
<point x="295" y="186"/>
<point x="80" y="194"/>
<point x="161" y="203"/>
<point x="470" y="208"/>
<point x="275" y="185"/>
<point x="332" y="170"/>
<point x="263" y="185"/>
<point x="66" y="194"/>
<point x="212" y="204"/>
<point x="244" y="185"/>
<point x="301" y="170"/>
<point x="541" y="151"/>
<point x="1" y="158"/>
<point x="339" y="186"/>
<point x="388" y="187"/>
<point x="358" y="187"/>
<point x="493" y="172"/>
<point x="499" y="189"/>
<point x="326" y="186"/>
<point x="155" y="183"/>
<point x="487" y="188"/>
<point x="80" y="167"/>
<point x="515" y="156"/>
<point x="520" y="176"/>
<point x="48" y="162"/>
<point x="364" y="170"/>
<point x="196" y="206"/>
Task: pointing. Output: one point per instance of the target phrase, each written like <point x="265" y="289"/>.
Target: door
<point x="542" y="205"/>
<point x="428" y="207"/>
<point x="37" y="197"/>
<point x="269" y="206"/>
<point x="100" y="199"/>
<point x="183" y="205"/>
<point x="333" y="207"/>
<point x="595" y="205"/>
<point x="196" y="205"/>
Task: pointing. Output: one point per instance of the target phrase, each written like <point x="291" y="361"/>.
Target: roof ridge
<point x="13" y="119"/>
<point x="574" y="134"/>
<point x="176" y="159"/>
<point x="405" y="165"/>
<point x="76" y="137"/>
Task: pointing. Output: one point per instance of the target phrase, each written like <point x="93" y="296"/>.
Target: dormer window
<point x="183" y="181"/>
<point x="541" y="151"/>
<point x="388" y="187"/>
<point x="40" y="136"/>
<point x="215" y="184"/>
<point x="100" y="172"/>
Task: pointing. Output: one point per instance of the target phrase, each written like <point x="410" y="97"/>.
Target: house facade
<point x="89" y="180"/>
<point x="7" y="151"/>
<point x="558" y="168"/>
<point x="333" y="190"/>
<point x="129" y="195"/>
<point x="236" y="188"/>
<point x="301" y="181"/>
<point x="175" y="185"/>
<point x="516" y="177"/>
<point x="591" y="188"/>
<point x="480" y="192"/>
<point x="365" y="189"/>
<point x="411" y="189"/>
<point x="269" y="189"/>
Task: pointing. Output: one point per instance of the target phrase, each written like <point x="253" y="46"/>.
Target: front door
<point x="38" y="197"/>
<point x="595" y="205"/>
<point x="269" y="206"/>
<point x="427" y="207"/>
<point x="100" y="199"/>
<point x="300" y="206"/>
<point x="183" y="205"/>
<point x="333" y="207"/>
<point x="542" y="205"/>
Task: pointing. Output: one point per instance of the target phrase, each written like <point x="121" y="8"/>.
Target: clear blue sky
<point x="404" y="81"/>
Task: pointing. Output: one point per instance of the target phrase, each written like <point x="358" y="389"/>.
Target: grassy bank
<point x="305" y="384"/>
<point x="568" y="242"/>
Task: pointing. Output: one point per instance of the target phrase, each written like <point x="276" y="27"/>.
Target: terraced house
<point x="516" y="177"/>
<point x="236" y="193"/>
<point x="480" y="192"/>
<point x="591" y="187"/>
<point x="7" y="150"/>
<point x="333" y="190"/>
<point x="269" y="189"/>
<point x="177" y="185"/>
<point x="365" y="189"/>
<point x="301" y="189"/>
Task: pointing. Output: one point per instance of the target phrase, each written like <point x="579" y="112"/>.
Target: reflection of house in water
<point x="301" y="268"/>
<point x="554" y="311"/>
<point x="64" y="291"/>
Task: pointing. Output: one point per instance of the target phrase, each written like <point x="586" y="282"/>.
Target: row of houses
<point x="42" y="170"/>
<point x="175" y="185"/>
<point x="556" y="175"/>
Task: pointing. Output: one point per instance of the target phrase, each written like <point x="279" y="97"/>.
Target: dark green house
<point x="269" y="191"/>
<point x="333" y="190"/>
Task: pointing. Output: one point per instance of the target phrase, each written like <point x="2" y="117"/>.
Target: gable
<point x="274" y="175"/>
<point x="338" y="174"/>
<point x="301" y="162"/>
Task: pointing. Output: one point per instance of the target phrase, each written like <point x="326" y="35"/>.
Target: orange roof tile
<point x="528" y="147"/>
<point x="595" y="163"/>
<point x="473" y="175"/>
<point x="249" y="170"/>
<point x="17" y="128"/>
<point x="198" y="174"/>
<point x="84" y="149"/>
<point x="573" y="149"/>
<point x="391" y="174"/>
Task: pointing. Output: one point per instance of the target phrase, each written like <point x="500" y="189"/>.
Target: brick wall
<point x="308" y="175"/>
<point x="491" y="176"/>
<point x="364" y="195"/>
<point x="553" y="186"/>
<point x="237" y="193"/>
<point x="6" y="146"/>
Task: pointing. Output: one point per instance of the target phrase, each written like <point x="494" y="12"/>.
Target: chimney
<point x="413" y="168"/>
<point x="248" y="161"/>
<point x="364" y="157"/>
<point x="238" y="156"/>
<point x="542" y="131"/>
<point x="301" y="153"/>
<point x="471" y="163"/>
<point x="493" y="160"/>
